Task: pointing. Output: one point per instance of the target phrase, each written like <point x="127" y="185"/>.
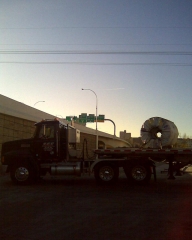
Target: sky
<point x="135" y="55"/>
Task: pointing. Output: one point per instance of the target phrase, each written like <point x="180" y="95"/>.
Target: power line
<point x="98" y="44"/>
<point x="105" y="63"/>
<point x="92" y="27"/>
<point x="95" y="52"/>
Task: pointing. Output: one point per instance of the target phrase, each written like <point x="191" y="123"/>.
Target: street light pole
<point x="96" y="115"/>
<point x="38" y="102"/>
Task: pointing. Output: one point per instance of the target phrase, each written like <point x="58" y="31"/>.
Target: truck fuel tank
<point x="68" y="169"/>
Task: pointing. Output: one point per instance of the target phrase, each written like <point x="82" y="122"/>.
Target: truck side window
<point x="47" y="131"/>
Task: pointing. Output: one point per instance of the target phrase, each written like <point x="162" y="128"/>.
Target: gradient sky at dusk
<point x="135" y="55"/>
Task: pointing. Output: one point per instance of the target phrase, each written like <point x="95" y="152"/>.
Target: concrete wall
<point x="20" y="110"/>
<point x="14" y="128"/>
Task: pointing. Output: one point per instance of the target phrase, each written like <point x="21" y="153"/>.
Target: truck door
<point x="46" y="143"/>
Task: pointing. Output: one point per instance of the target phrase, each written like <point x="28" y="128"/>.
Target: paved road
<point x="76" y="208"/>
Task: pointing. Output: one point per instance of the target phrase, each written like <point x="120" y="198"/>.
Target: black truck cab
<point x="53" y="142"/>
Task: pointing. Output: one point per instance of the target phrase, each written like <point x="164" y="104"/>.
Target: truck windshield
<point x="46" y="131"/>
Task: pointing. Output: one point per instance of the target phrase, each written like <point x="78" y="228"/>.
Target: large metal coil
<point x="150" y="129"/>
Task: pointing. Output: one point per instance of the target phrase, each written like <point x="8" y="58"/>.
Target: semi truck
<point x="54" y="149"/>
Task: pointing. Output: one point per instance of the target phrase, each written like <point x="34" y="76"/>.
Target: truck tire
<point x="106" y="173"/>
<point x="138" y="173"/>
<point x="22" y="173"/>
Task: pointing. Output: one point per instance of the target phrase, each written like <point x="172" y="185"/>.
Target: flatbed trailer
<point x="182" y="155"/>
<point x="139" y="163"/>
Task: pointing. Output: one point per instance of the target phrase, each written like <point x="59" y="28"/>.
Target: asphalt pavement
<point x="77" y="208"/>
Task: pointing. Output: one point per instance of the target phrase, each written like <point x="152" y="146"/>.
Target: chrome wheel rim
<point x="106" y="173"/>
<point x="21" y="174"/>
<point x="139" y="173"/>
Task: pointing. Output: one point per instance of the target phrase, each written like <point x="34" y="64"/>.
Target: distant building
<point x="126" y="136"/>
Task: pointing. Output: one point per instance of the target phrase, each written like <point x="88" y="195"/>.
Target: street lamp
<point x="96" y="115"/>
<point x="38" y="102"/>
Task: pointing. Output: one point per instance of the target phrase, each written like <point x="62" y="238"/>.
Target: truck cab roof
<point x="53" y="121"/>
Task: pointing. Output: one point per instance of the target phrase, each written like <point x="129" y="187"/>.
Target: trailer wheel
<point x="22" y="173"/>
<point x="106" y="173"/>
<point x="138" y="173"/>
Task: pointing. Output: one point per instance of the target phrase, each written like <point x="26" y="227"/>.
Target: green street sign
<point x="91" y="118"/>
<point x="83" y="115"/>
<point x="100" y="118"/>
<point x="82" y="120"/>
<point x="68" y="118"/>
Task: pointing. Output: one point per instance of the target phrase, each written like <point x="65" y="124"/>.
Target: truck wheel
<point x="22" y="173"/>
<point x="106" y="173"/>
<point x="138" y="173"/>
